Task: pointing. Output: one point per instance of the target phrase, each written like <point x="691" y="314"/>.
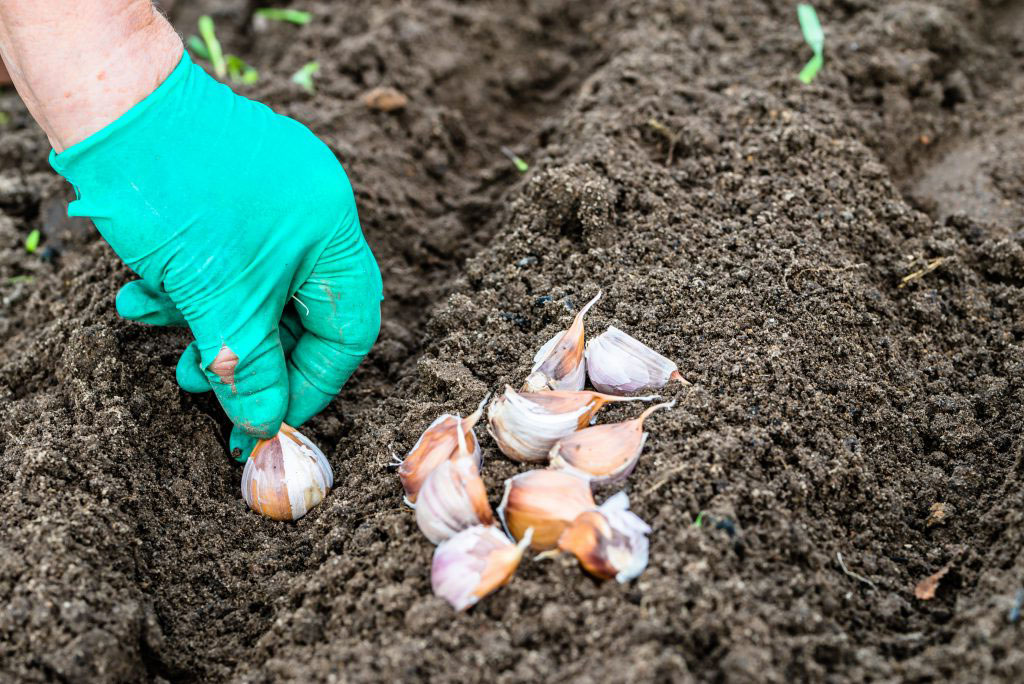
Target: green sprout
<point x="32" y="241"/>
<point x="814" y="37"/>
<point x="5" y="118"/>
<point x="198" y="47"/>
<point x="14" y="280"/>
<point x="521" y="165"/>
<point x="240" y="72"/>
<point x="292" y="16"/>
<point x="209" y="35"/>
<point x="304" y="76"/>
<point x="700" y="519"/>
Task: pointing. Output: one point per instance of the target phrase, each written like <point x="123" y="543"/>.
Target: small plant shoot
<point x="32" y="241"/>
<point x="814" y="36"/>
<point x="304" y="77"/>
<point x="291" y="16"/>
<point x="213" y="48"/>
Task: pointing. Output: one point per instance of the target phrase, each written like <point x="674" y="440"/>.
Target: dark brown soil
<point x="761" y="243"/>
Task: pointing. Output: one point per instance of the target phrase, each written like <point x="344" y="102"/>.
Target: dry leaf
<point x="936" y="515"/>
<point x="926" y="588"/>
<point x="385" y="99"/>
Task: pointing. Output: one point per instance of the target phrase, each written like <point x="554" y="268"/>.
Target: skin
<point x="80" y="64"/>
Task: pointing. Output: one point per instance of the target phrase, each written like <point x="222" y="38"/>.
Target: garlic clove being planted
<point x="603" y="453"/>
<point x="618" y="363"/>
<point x="286" y="476"/>
<point x="610" y="541"/>
<point x="525" y="431"/>
<point x="453" y="497"/>
<point x="437" y="444"/>
<point x="546" y="501"/>
<point x="473" y="563"/>
<point x="559" y="364"/>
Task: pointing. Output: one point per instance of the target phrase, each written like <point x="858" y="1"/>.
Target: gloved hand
<point x="228" y="211"/>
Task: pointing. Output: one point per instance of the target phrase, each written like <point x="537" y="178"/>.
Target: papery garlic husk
<point x="559" y="364"/>
<point x="453" y="497"/>
<point x="610" y="541"/>
<point x="286" y="476"/>
<point x="525" y="431"/>
<point x="618" y="363"/>
<point x="603" y="453"/>
<point x="436" y="445"/>
<point x="473" y="563"/>
<point x="564" y="401"/>
<point x="546" y="501"/>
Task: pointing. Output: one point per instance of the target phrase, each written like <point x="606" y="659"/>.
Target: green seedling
<point x="292" y="16"/>
<point x="32" y="241"/>
<point x="216" y="54"/>
<point x="815" y="38"/>
<point x="521" y="165"/>
<point x="240" y="72"/>
<point x="198" y="47"/>
<point x="304" y="76"/>
<point x="700" y="519"/>
<point x="14" y="280"/>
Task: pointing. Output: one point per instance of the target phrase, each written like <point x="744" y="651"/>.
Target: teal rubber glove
<point x="229" y="212"/>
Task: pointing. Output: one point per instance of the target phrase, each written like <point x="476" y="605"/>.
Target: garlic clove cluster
<point x="610" y="541"/>
<point x="474" y="563"/>
<point x="436" y="445"/>
<point x="559" y="364"/>
<point x="453" y="497"/>
<point x="286" y="476"/>
<point x="525" y="430"/>
<point x="603" y="453"/>
<point x="618" y="363"/>
<point x="546" y="501"/>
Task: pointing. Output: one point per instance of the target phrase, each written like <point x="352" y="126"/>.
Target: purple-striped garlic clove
<point x="618" y="363"/>
<point x="610" y="541"/>
<point x="473" y="563"/>
<point x="453" y="497"/>
<point x="435" y="446"/>
<point x="525" y="430"/>
<point x="286" y="476"/>
<point x="559" y="364"/>
<point x="603" y="453"/>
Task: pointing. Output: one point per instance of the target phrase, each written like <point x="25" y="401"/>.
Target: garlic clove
<point x="546" y="501"/>
<point x="473" y="563"/>
<point x="610" y="541"/>
<point x="618" y="363"/>
<point x="559" y="364"/>
<point x="603" y="453"/>
<point x="437" y="444"/>
<point x="563" y="401"/>
<point x="453" y="497"/>
<point x="524" y="430"/>
<point x="286" y="476"/>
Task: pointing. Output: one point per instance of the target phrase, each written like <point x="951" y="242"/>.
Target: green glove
<point x="229" y="212"/>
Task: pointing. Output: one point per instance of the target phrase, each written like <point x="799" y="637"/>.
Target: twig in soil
<point x="849" y="573"/>
<point x="666" y="476"/>
<point x="822" y="269"/>
<point x="667" y="133"/>
<point x="917" y="275"/>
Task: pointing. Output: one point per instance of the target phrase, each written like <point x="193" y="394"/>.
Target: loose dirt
<point x="754" y="229"/>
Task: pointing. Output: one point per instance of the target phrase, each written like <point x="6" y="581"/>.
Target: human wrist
<point x="78" y="75"/>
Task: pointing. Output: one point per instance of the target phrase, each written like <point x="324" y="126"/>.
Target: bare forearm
<point x="80" y="64"/>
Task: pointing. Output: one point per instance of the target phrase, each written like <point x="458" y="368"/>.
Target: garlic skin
<point x="286" y="476"/>
<point x="453" y="497"/>
<point x="546" y="501"/>
<point x="603" y="453"/>
<point x="473" y="563"/>
<point x="618" y="363"/>
<point x="525" y="431"/>
<point x="610" y="541"/>
<point x="436" y="445"/>
<point x="559" y="364"/>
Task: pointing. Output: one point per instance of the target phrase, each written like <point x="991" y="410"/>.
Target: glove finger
<point x="189" y="372"/>
<point x="241" y="444"/>
<point x="339" y="308"/>
<point x="252" y="389"/>
<point x="137" y="301"/>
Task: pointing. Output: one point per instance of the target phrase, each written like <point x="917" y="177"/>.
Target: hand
<point x="228" y="212"/>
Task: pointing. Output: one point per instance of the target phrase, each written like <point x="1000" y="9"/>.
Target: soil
<point x="837" y="268"/>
